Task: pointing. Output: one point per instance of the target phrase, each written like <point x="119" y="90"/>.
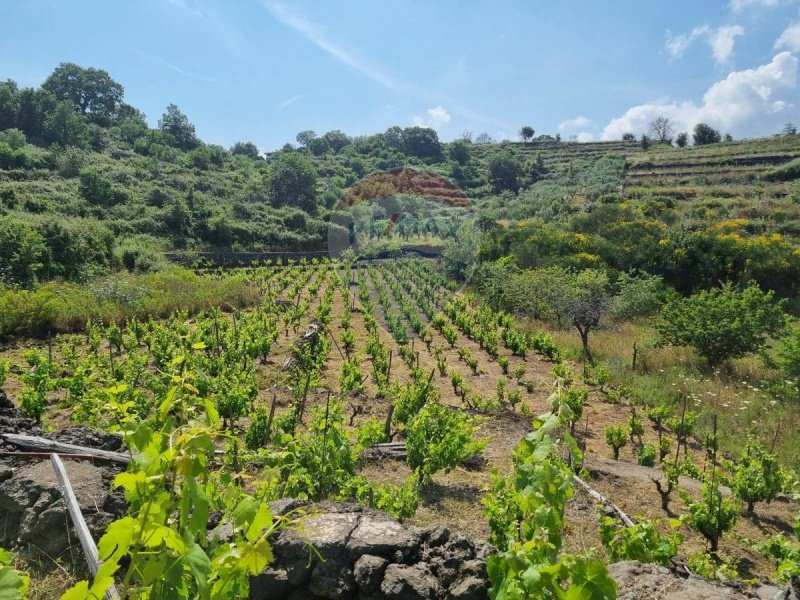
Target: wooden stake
<point x="84" y="536"/>
<point x="39" y="444"/>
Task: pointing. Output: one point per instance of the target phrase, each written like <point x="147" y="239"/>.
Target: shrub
<point x="641" y="542"/>
<point x="616" y="437"/>
<point x="785" y="172"/>
<point x="646" y="455"/>
<point x="440" y="438"/>
<point x="713" y="515"/>
<point x="722" y="323"/>
<point x="757" y="477"/>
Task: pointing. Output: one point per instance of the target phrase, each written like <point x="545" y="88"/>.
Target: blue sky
<point x="262" y="70"/>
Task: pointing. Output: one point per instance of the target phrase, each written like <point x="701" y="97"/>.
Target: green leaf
<point x="255" y="557"/>
<point x="199" y="564"/>
<point x="12" y="584"/>
<point x="79" y="591"/>
<point x="261" y="521"/>
<point x="117" y="539"/>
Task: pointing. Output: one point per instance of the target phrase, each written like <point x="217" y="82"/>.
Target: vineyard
<point x="383" y="384"/>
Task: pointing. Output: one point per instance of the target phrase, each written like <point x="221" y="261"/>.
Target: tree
<point x="661" y="129"/>
<point x="588" y="303"/>
<point x="526" y="133"/>
<point x="788" y="361"/>
<point x="292" y="181"/>
<point x="248" y="149"/>
<point x="9" y="104"/>
<point x="459" y="152"/>
<point x="65" y="127"/>
<point x="176" y="124"/>
<point x="728" y="137"/>
<point x="504" y="172"/>
<point x="461" y="254"/>
<point x="336" y="140"/>
<point x="422" y="142"/>
<point x="91" y="92"/>
<point x="483" y="138"/>
<point x="628" y="137"/>
<point x="722" y="323"/>
<point x="682" y="139"/>
<point x="705" y="134"/>
<point x="304" y="137"/>
<point x="789" y="129"/>
<point x="645" y="142"/>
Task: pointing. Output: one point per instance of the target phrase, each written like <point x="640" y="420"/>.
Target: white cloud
<point x="585" y="136"/>
<point x="572" y="124"/>
<point x="437" y="116"/>
<point x="176" y="69"/>
<point x="742" y="5"/>
<point x="740" y="100"/>
<point x="721" y="41"/>
<point x="289" y="101"/>
<point x="790" y="38"/>
<point x="678" y="44"/>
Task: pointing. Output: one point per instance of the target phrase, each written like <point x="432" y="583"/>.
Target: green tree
<point x="504" y="172"/>
<point x="526" y="133"/>
<point x="96" y="189"/>
<point x="248" y="149"/>
<point x="422" y="142"/>
<point x="705" y="134"/>
<point x="722" y="323"/>
<point x="788" y="358"/>
<point x="462" y="252"/>
<point x="65" y="127"/>
<point x="682" y="139"/>
<point x="9" y="104"/>
<point x="292" y="181"/>
<point x="177" y="125"/>
<point x="304" y="137"/>
<point x="588" y="303"/>
<point x="22" y="252"/>
<point x="459" y="152"/>
<point x="91" y="92"/>
<point x="336" y="140"/>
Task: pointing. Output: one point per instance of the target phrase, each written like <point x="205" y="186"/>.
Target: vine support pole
<point x="84" y="536"/>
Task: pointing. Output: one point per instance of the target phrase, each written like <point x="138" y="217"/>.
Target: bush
<point x="641" y="542"/>
<point x="784" y="172"/>
<point x="616" y="437"/>
<point x="722" y="323"/>
<point x="646" y="455"/>
<point x="66" y="307"/>
<point x="440" y="438"/>
<point x="757" y="477"/>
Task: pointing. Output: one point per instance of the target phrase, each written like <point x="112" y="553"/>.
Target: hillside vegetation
<point x="625" y="311"/>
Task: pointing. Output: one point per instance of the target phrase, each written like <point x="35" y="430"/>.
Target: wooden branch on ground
<point x="40" y="444"/>
<point x="395" y="450"/>
<point x="84" y="536"/>
<point x="605" y="501"/>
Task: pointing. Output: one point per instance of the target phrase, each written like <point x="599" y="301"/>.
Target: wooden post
<point x="38" y="444"/>
<point x="388" y="426"/>
<point x="635" y="355"/>
<point x="84" y="536"/>
<point x="269" y="418"/>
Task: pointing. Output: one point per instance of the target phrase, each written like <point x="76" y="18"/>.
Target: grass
<point x="737" y="394"/>
<point x="66" y="307"/>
